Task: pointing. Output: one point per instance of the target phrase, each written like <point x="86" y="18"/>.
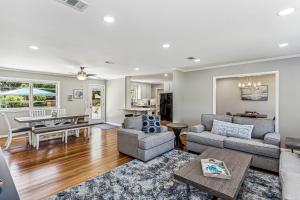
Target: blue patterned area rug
<point x="154" y="180"/>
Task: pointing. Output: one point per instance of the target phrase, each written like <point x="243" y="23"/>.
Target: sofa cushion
<point x="232" y="130"/>
<point x="289" y="162"/>
<point x="151" y="123"/>
<point x="272" y="138"/>
<point x="253" y="146"/>
<point x="261" y="126"/>
<point x="207" y="120"/>
<point x="206" y="138"/>
<point x="135" y="123"/>
<point x="290" y="185"/>
<point x="155" y="139"/>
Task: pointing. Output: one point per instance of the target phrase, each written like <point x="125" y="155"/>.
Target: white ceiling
<point x="217" y="32"/>
<point x="152" y="78"/>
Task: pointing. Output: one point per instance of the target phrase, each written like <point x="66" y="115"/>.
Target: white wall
<point x="197" y="90"/>
<point x="178" y="96"/>
<point x="67" y="84"/>
<point x="115" y="100"/>
<point x="228" y="98"/>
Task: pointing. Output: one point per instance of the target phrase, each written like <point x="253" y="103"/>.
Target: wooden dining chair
<point x="15" y="131"/>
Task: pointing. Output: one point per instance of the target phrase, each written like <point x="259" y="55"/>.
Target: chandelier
<point x="249" y="83"/>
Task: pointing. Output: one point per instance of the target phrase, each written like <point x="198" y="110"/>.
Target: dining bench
<point x="65" y="129"/>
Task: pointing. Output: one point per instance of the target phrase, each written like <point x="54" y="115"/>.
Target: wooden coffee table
<point x="236" y="162"/>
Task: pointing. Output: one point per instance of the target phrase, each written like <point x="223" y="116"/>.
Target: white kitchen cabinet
<point x="168" y="86"/>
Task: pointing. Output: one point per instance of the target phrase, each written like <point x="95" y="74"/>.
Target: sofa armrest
<point x="197" y="128"/>
<point x="163" y="129"/>
<point x="272" y="138"/>
<point x="131" y="132"/>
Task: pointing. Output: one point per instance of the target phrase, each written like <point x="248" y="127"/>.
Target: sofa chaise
<point x="264" y="144"/>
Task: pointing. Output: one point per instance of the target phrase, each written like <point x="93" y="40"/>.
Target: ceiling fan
<point x="82" y="75"/>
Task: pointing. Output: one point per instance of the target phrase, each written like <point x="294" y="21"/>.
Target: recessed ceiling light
<point x="136" y="69"/>
<point x="166" y="75"/>
<point x="166" y="46"/>
<point x="283" y="45"/>
<point x="109" y="19"/>
<point x="286" y="11"/>
<point x="197" y="60"/>
<point x="33" y="47"/>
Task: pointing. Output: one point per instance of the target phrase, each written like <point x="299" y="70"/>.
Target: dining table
<point x="31" y="120"/>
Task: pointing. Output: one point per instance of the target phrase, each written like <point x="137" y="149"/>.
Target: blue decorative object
<point x="151" y="123"/>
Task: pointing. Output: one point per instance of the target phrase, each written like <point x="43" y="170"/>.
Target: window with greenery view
<point x="44" y="95"/>
<point x="27" y="94"/>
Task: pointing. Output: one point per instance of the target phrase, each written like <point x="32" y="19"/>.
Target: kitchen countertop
<point x="139" y="109"/>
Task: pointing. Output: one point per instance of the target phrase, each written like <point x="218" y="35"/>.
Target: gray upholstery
<point x="272" y="138"/>
<point x="264" y="147"/>
<point x="135" y="123"/>
<point x="155" y="139"/>
<point x="263" y="162"/>
<point x="196" y="147"/>
<point x="254" y="146"/>
<point x="197" y="128"/>
<point x="289" y="173"/>
<point x="148" y="154"/>
<point x="163" y="129"/>
<point x="145" y="146"/>
<point x="261" y="126"/>
<point x="207" y="120"/>
<point x="206" y="138"/>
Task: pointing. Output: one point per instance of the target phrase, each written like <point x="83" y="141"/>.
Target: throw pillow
<point x="135" y="123"/>
<point x="232" y="130"/>
<point x="151" y="124"/>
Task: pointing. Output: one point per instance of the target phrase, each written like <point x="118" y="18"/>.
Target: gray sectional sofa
<point x="143" y="146"/>
<point x="264" y="145"/>
<point x="289" y="173"/>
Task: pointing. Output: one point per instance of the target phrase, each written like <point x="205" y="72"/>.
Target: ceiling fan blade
<point x="91" y="75"/>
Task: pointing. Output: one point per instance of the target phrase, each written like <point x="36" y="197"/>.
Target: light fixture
<point x="33" y="47"/>
<point x="81" y="75"/>
<point x="109" y="19"/>
<point x="136" y="69"/>
<point x="249" y="83"/>
<point x="283" y="45"/>
<point x="166" y="75"/>
<point x="287" y="11"/>
<point x="197" y="60"/>
<point x="166" y="46"/>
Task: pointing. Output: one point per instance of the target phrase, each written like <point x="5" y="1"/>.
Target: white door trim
<point x="276" y="73"/>
<point x="103" y="101"/>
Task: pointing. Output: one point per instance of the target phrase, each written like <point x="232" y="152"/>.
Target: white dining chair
<point x="59" y="111"/>
<point x="15" y="131"/>
<point x="37" y="112"/>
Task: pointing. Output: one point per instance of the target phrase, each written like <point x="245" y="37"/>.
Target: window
<point x="19" y="93"/>
<point x="14" y="94"/>
<point x="44" y="95"/>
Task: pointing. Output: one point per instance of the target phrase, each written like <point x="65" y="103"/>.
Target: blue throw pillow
<point x="151" y="124"/>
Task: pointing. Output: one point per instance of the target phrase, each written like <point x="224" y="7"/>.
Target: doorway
<point x="252" y="92"/>
<point x="96" y="100"/>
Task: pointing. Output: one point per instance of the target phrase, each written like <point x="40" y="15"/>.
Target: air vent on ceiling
<point x="76" y="4"/>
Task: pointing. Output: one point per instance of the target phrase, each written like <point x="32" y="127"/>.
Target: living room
<point x="149" y="100"/>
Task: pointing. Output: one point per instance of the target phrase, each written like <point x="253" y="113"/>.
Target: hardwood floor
<point x="56" y="166"/>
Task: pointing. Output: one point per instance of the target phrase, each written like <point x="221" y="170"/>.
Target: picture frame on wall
<point x="78" y="93"/>
<point x="70" y="97"/>
<point x="259" y="93"/>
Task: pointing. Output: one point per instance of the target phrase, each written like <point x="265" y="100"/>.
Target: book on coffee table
<point x="215" y="168"/>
